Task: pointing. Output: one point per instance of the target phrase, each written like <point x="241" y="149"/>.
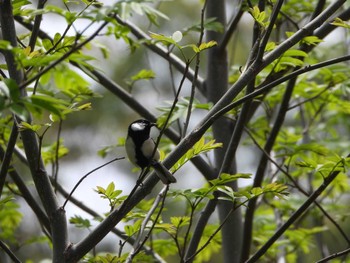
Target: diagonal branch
<point x="9" y="252"/>
<point x="260" y="173"/>
<point x="300" y="189"/>
<point x="163" y="52"/>
<point x="117" y="90"/>
<point x="268" y="31"/>
<point x="308" y="202"/>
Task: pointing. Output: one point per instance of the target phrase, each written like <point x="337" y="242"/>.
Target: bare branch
<point x="335" y="255"/>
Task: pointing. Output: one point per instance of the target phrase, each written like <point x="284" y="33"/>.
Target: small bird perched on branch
<point x="140" y="148"/>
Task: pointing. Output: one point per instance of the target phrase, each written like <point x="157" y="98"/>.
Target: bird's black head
<point x="140" y="130"/>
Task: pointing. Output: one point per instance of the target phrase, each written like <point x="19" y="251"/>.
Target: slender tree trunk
<point x="217" y="84"/>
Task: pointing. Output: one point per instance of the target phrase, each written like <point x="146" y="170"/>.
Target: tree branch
<point x="231" y="29"/>
<point x="36" y="26"/>
<point x="335" y="255"/>
<point x="40" y="178"/>
<point x="113" y="87"/>
<point x="300" y="189"/>
<point x="163" y="52"/>
<point x="268" y="31"/>
<point x="199" y="229"/>
<point x="260" y="172"/>
<point x="7" y="156"/>
<point x="9" y="252"/>
<point x="303" y="32"/>
<point x="64" y="56"/>
<point x="27" y="196"/>
<point x="327" y="181"/>
<point x="117" y="90"/>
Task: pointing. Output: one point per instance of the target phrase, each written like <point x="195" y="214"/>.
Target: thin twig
<point x="36" y="26"/>
<point x="141" y="235"/>
<point x="78" y="250"/>
<point x="260" y="171"/>
<point x="55" y="165"/>
<point x="86" y="175"/>
<point x="268" y="31"/>
<point x="198" y="231"/>
<point x="260" y="90"/>
<point x="233" y="209"/>
<point x="162" y="52"/>
<point x="64" y="56"/>
<point x="6" y="159"/>
<point x="171" y="71"/>
<point x="341" y="231"/>
<point x="193" y="86"/>
<point x="176" y="99"/>
<point x="231" y="28"/>
<point x="327" y="181"/>
<point x="9" y="252"/>
<point x="335" y="255"/>
<point x="26" y="194"/>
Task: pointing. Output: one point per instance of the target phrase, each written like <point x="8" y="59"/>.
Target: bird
<point x="140" y="147"/>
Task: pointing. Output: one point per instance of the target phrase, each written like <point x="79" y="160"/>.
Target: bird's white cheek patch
<point x="137" y="127"/>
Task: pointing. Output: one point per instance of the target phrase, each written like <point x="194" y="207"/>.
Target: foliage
<point x="283" y="108"/>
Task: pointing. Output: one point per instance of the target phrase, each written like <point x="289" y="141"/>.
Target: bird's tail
<point x="163" y="173"/>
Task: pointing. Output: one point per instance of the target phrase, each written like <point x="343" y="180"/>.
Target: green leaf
<point x="229" y="194"/>
<point x="130" y="230"/>
<point x="180" y="221"/>
<point x="80" y="222"/>
<point x="341" y="23"/>
<point x="18" y="5"/>
<point x="50" y="153"/>
<point x="259" y="16"/>
<point x="111" y="194"/>
<point x="110" y="188"/>
<point x="15" y="93"/>
<point x="20" y="110"/>
<point x="143" y="74"/>
<point x="164" y="39"/>
<point x="51" y="104"/>
<point x="225" y="178"/>
<point x="180" y="110"/>
<point x="110" y="191"/>
<point x="5" y="45"/>
<point x="311" y="40"/>
<point x="257" y="191"/>
<point x="26" y="126"/>
<point x="5" y="200"/>
<point x="200" y="147"/>
<point x="209" y="24"/>
<point x="207" y="45"/>
<point x="100" y="190"/>
<point x="10" y="219"/>
<point x="47" y="44"/>
<point x="270" y="46"/>
<point x="295" y="53"/>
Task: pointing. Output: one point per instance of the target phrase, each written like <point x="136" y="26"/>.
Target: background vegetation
<point x="252" y="103"/>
